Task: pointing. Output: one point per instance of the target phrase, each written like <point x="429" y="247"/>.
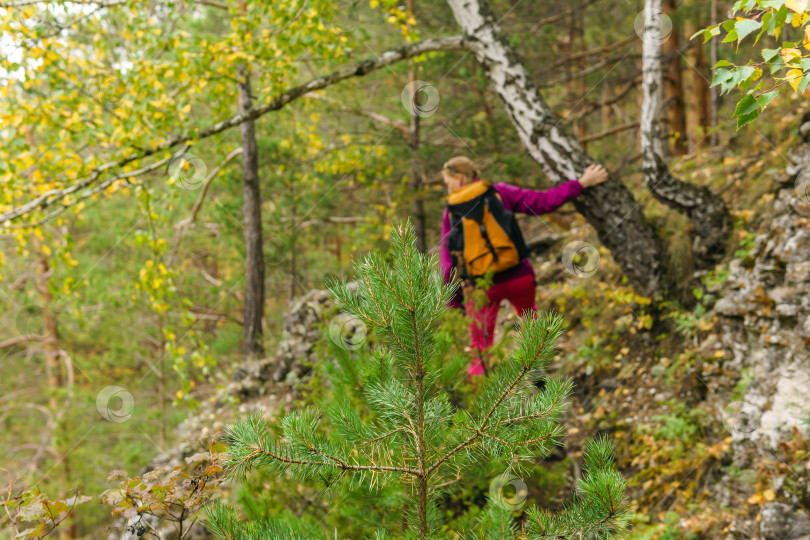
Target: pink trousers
<point x="520" y="293"/>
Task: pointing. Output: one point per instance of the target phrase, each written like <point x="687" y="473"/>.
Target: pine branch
<point x="541" y="351"/>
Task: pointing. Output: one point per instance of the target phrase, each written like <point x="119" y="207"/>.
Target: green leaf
<point x="779" y="20"/>
<point x="699" y="33"/>
<point x="746" y="27"/>
<point x="766" y="20"/>
<point x="713" y="31"/>
<point x="720" y="76"/>
<point x="745" y="119"/>
<point x="765" y="99"/>
<point x="803" y="84"/>
<point x="731" y="37"/>
<point x="743" y="73"/>
<point x="723" y="63"/>
<point x="777" y="64"/>
<point x="776" y="4"/>
<point x="769" y="54"/>
<point x="746" y="105"/>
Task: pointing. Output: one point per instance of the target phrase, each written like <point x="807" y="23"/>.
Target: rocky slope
<point x="760" y="389"/>
<point x="764" y="314"/>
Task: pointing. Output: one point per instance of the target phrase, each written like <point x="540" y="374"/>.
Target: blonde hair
<point x="464" y="166"/>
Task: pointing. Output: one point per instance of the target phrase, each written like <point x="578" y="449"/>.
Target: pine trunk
<point x="610" y="207"/>
<point x="252" y="212"/>
<point x="714" y="103"/>
<point x="697" y="80"/>
<point x="673" y="86"/>
<point x="711" y="223"/>
<point x="418" y="207"/>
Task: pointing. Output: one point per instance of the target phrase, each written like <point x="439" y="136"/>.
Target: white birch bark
<point x="711" y="223"/>
<point x="610" y="207"/>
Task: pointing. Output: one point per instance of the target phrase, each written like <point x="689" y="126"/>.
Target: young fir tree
<point x="404" y="431"/>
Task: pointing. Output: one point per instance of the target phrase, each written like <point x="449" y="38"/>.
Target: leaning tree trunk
<point x="609" y="207"/>
<point x="711" y="223"/>
<point x="252" y="211"/>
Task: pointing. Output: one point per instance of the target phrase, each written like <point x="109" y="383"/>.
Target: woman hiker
<point x="480" y="235"/>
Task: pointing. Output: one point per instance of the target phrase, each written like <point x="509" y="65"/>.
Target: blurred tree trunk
<point x="715" y="91"/>
<point x="53" y="370"/>
<point x="576" y="87"/>
<point x="609" y="207"/>
<point x="418" y="208"/>
<point x="53" y="357"/>
<point x="697" y="78"/>
<point x="604" y="110"/>
<point x="673" y="85"/>
<point x="50" y="344"/>
<point x="252" y="212"/>
<point x="293" y="242"/>
<point x="711" y="223"/>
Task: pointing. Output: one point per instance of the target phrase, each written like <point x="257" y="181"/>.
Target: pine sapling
<point x="392" y="422"/>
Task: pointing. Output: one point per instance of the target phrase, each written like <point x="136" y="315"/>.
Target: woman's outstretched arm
<point x="530" y="201"/>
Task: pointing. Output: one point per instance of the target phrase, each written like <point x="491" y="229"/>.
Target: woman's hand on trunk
<point x="593" y="175"/>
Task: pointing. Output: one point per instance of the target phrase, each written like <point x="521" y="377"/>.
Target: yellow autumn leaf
<point x="797" y="5"/>
<point x="769" y="495"/>
<point x="794" y="77"/>
<point x="790" y="54"/>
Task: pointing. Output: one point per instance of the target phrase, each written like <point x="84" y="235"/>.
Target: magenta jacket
<point x="517" y="200"/>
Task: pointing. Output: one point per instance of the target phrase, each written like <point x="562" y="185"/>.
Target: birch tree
<point x="609" y="207"/>
<point x="711" y="222"/>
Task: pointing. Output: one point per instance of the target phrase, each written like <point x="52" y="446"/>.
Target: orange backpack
<point x="483" y="234"/>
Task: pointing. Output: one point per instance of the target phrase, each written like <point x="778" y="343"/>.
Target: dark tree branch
<point x="387" y="58"/>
